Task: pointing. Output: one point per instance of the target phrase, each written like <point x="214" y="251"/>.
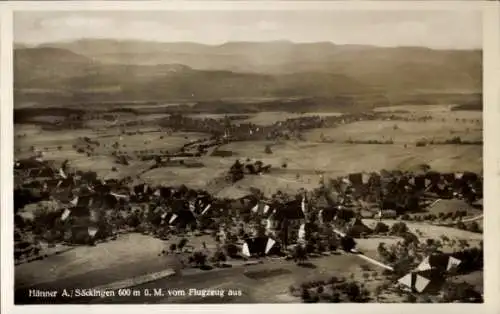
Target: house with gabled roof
<point x="425" y="281"/>
<point x="356" y="228"/>
<point x="290" y="210"/>
<point x="259" y="246"/>
<point x="442" y="263"/>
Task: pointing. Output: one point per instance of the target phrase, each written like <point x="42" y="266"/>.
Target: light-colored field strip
<point x="446" y="224"/>
<point x="473" y="218"/>
<point x="371" y="260"/>
<point x="340" y="233"/>
<point x="135" y="281"/>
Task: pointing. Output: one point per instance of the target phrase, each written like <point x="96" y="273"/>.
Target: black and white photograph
<point x="248" y="156"/>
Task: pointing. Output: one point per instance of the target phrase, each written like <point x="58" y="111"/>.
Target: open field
<point x="424" y="231"/>
<point x="60" y="145"/>
<point x="133" y="252"/>
<point x="304" y="159"/>
<point x="432" y="231"/>
<point x="129" y="248"/>
<point x="340" y="159"/>
<point x="475" y="279"/>
<point x="263" y="283"/>
<point x="451" y="206"/>
<point x="56" y="143"/>
<point x="401" y="132"/>
<point x="416" y="108"/>
<point x="175" y="175"/>
<point x="437" y="112"/>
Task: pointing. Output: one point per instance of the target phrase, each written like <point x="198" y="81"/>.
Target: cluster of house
<point x="89" y="208"/>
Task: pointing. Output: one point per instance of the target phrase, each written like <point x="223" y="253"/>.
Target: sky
<point x="451" y="29"/>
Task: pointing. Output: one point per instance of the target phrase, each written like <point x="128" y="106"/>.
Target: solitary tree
<point x="300" y="254"/>
<point x="182" y="243"/>
<point x="219" y="257"/>
<point x="173" y="247"/>
<point x="199" y="258"/>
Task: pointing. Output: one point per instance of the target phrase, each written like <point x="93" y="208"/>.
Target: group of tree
<point x="460" y="292"/>
<point x="471" y="226"/>
<point x="334" y="290"/>
<point x="398" y="256"/>
<point x="380" y="142"/>
<point x="380" y="228"/>
<point x="236" y="172"/>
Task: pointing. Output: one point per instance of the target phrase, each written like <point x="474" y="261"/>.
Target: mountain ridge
<point x="240" y="69"/>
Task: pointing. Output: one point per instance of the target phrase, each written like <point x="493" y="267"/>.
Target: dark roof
<point x="356" y="178"/>
<point x="439" y="262"/>
<point x="449" y="177"/>
<point x="478" y="203"/>
<point x="470" y="177"/>
<point x="29" y="163"/>
<point x="165" y="192"/>
<point x="323" y="202"/>
<point x="106" y="201"/>
<point x="84" y="201"/>
<point x="183" y="217"/>
<point x="436" y="280"/>
<point x="178" y="205"/>
<point x="356" y="227"/>
<point x="290" y="210"/>
<point x="327" y="214"/>
<point x="257" y="245"/>
<point x="142" y="189"/>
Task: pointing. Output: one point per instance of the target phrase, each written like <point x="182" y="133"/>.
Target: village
<point x="416" y="234"/>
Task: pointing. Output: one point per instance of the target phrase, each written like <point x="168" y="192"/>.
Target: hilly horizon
<point x="112" y="69"/>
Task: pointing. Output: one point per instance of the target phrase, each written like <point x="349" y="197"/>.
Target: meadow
<point x="330" y="152"/>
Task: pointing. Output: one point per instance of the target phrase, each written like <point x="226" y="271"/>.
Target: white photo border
<point x="491" y="152"/>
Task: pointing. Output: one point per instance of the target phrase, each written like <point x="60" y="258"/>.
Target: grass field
<point x="368" y="246"/>
<point x="144" y="139"/>
<point x="423" y="230"/>
<point x="137" y="253"/>
<point x="399" y="131"/>
<point x="416" y="108"/>
<point x="475" y="278"/>
<point x="192" y="177"/>
<point x="442" y="113"/>
<point x="345" y="158"/>
<point x="59" y="146"/>
<point x="127" y="249"/>
<point x="451" y="206"/>
<point x="305" y="161"/>
<point x="264" y="283"/>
